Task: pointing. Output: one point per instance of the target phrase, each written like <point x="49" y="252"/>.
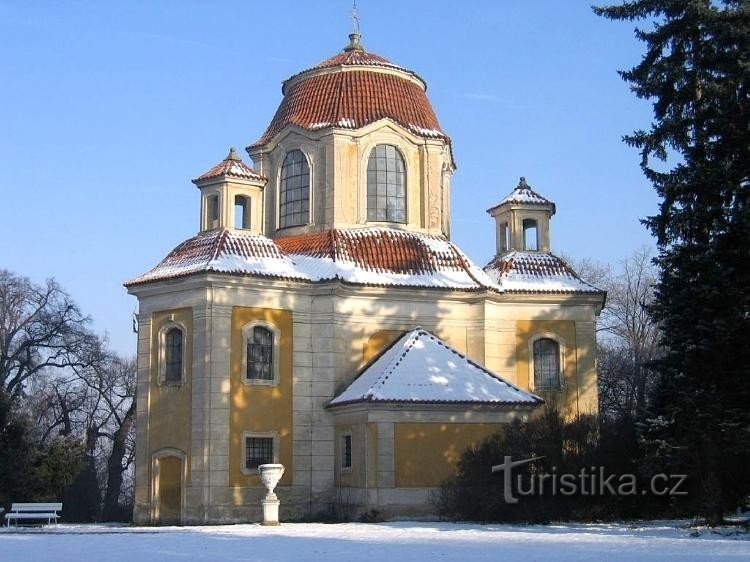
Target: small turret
<point x="231" y="196"/>
<point x="522" y="220"/>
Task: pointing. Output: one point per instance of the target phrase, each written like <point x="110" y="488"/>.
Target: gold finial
<point x="233" y="155"/>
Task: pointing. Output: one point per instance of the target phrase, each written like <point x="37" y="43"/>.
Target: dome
<point x="352" y="89"/>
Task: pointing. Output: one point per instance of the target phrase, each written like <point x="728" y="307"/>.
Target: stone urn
<point x="270" y="474"/>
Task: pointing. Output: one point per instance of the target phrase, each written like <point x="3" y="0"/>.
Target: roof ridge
<point x="408" y="345"/>
<point x="483" y="369"/>
<point x="220" y="243"/>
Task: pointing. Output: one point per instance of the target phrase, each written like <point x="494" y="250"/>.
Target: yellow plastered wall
<point x="170" y="501"/>
<point x="565" y="329"/>
<point x="170" y="406"/>
<point x="427" y="453"/>
<point x="378" y="342"/>
<point x="357" y="474"/>
<point x="260" y="408"/>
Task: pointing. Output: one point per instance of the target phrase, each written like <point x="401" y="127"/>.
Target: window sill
<point x="260" y="382"/>
<point x="171" y="384"/>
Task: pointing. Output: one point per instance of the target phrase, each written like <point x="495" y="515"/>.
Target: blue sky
<point x="108" y="110"/>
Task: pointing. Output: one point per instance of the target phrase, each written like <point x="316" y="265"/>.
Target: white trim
<point x="258" y="434"/>
<point x="408" y="149"/>
<point x="561" y="350"/>
<point x="155" y="469"/>
<point x="161" y="342"/>
<point x="246" y="332"/>
<point x="370" y="148"/>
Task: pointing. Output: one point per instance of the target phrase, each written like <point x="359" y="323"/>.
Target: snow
<point x="402" y="541"/>
<point x="254" y="254"/>
<point x="524" y="195"/>
<point x="536" y="272"/>
<point x="274" y="267"/>
<point x="421" y="367"/>
<point x="426" y="132"/>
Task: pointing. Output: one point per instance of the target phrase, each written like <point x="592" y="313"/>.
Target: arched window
<point x="213" y="211"/>
<point x="260" y="354"/>
<point x="241" y="212"/>
<point x="546" y="364"/>
<point x="530" y="235"/>
<point x="173" y="355"/>
<point x="386" y="185"/>
<point x="294" y="195"/>
<point x="505" y="237"/>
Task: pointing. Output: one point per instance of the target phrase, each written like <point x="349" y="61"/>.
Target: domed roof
<point x="352" y="89"/>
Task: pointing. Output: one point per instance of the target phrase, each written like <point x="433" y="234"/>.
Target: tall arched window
<point x="546" y="364"/>
<point x="386" y="185"/>
<point x="294" y="195"/>
<point x="173" y="355"/>
<point x="260" y="354"/>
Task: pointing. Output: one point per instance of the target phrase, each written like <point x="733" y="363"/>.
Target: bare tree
<point x="40" y="328"/>
<point x="97" y="404"/>
<point x="627" y="332"/>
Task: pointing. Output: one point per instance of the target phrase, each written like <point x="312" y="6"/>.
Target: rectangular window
<point x="258" y="451"/>
<point x="346" y="451"/>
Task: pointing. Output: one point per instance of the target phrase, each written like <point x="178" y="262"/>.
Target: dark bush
<point x="560" y="447"/>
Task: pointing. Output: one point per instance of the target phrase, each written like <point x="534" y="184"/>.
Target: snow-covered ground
<point x="390" y="542"/>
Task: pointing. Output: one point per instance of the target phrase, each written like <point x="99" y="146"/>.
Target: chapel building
<point x="323" y="319"/>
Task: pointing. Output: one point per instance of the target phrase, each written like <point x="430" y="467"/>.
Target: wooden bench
<point x="33" y="511"/>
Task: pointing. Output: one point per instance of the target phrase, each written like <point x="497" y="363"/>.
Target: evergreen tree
<point x="696" y="70"/>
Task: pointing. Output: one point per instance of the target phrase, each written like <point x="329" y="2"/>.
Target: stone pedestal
<point x="270" y="510"/>
<point x="270" y="474"/>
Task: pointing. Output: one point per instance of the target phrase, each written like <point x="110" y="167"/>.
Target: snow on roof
<point x="367" y="256"/>
<point x="232" y="165"/>
<point x="420" y="367"/>
<point x="223" y="251"/>
<point x="536" y="272"/>
<point x="525" y="195"/>
<point x="384" y="256"/>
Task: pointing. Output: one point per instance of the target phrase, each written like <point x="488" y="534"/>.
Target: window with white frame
<point x="294" y="192"/>
<point x="346" y="451"/>
<point x="386" y="185"/>
<point x="547" y="369"/>
<point x="172" y="344"/>
<point x="261" y="353"/>
<point x="258" y="449"/>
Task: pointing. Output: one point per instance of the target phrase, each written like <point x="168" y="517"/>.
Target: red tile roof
<point x="223" y="251"/>
<point x="356" y="57"/>
<point x="379" y="249"/>
<point x="232" y="165"/>
<point x="354" y="98"/>
<point x="536" y="272"/>
<point x="375" y="256"/>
